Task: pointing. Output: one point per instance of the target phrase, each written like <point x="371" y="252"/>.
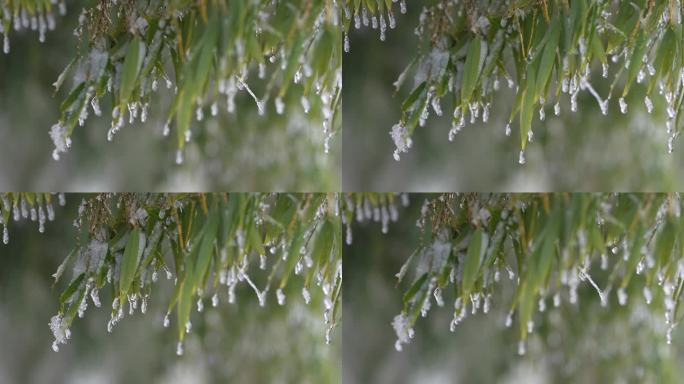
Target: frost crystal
<point x="401" y="139"/>
<point x="59" y="331"/>
<point x="60" y="139"/>
<point x="402" y="329"/>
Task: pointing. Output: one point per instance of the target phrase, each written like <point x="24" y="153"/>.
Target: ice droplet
<point x="522" y="348"/>
<point x="622" y="296"/>
<point x="94" y="295"/>
<point x="188" y="327"/>
<point x="508" y="129"/>
<point x="509" y="320"/>
<point x="179" y="348"/>
<point x="179" y="156"/>
<point x="215" y="300"/>
<point x="648" y="295"/>
<point x="649" y="104"/>
<point x="5" y="235"/>
<point x="166" y="130"/>
<point x="200" y="305"/>
<point x="623" y="105"/>
<point x="557" y="109"/>
<point x="556" y="300"/>
<point x="166" y="321"/>
<point x="279" y="105"/>
<point x="281" y="296"/>
<point x="305" y="104"/>
<point x="521" y="158"/>
<point x="306" y="294"/>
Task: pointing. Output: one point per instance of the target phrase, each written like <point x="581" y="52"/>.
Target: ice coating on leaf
<point x="401" y="326"/>
<point x="60" y="139"/>
<point x="401" y="139"/>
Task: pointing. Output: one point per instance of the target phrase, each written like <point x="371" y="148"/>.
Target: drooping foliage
<point x="547" y="51"/>
<point x="207" y="245"/>
<point x="283" y="54"/>
<point x="548" y="245"/>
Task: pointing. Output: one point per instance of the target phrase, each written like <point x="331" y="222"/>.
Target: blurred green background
<point x="237" y="152"/>
<point x="241" y="343"/>
<point x="582" y="151"/>
<point x="583" y="343"/>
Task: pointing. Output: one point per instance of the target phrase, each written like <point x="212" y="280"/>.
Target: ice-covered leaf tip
<point x="37" y="207"/>
<point x="206" y="245"/>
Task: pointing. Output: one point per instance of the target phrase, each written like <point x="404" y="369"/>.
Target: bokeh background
<point x="237" y="152"/>
<point x="583" y="343"/>
<point x="241" y="343"/>
<point x="582" y="151"/>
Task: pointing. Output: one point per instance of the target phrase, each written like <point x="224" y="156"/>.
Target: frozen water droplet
<point x="6" y="47"/>
<point x="508" y="129"/>
<point x="623" y="105"/>
<point x="281" y="296"/>
<point x="305" y="104"/>
<point x="530" y="326"/>
<point x="306" y="294"/>
<point x="5" y="235"/>
<point x="279" y="105"/>
<point x="94" y="295"/>
<point x="522" y="348"/>
<point x="649" y="104"/>
<point x="648" y="295"/>
<point x="55" y="346"/>
<point x="557" y="109"/>
<point x="179" y="156"/>
<point x="542" y="114"/>
<point x="214" y="300"/>
<point x="179" y="348"/>
<point x="622" y="296"/>
<point x="166" y="321"/>
<point x="530" y="136"/>
<point x="509" y="320"/>
<point x="397" y="346"/>
<point x="521" y="158"/>
<point x="556" y="300"/>
<point x="200" y="305"/>
<point x="188" y="327"/>
<point x="605" y="70"/>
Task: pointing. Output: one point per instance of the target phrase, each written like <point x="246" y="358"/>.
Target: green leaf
<point x="548" y="58"/>
<point x="131" y="67"/>
<point x="471" y="265"/>
<point x="130" y="260"/>
<point x="471" y="70"/>
<point x="636" y="61"/>
<point x="207" y="246"/>
<point x="527" y="107"/>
